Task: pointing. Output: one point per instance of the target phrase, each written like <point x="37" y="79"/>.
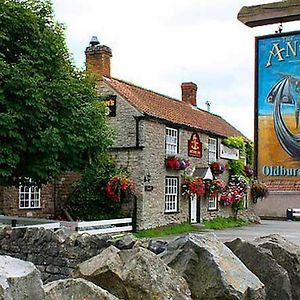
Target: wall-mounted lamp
<point x="147" y="177"/>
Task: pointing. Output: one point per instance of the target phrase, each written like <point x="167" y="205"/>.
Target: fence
<point x="105" y="226"/>
<point x="91" y="227"/>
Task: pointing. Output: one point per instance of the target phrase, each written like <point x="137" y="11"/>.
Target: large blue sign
<point x="278" y="105"/>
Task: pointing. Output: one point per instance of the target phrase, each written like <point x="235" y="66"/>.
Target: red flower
<point x="116" y="185"/>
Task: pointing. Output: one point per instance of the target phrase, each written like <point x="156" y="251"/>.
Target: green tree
<point x="50" y="120"/>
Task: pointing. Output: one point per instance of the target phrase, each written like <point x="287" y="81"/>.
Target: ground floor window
<point x="29" y="197"/>
<point x="212" y="202"/>
<point x="171" y="194"/>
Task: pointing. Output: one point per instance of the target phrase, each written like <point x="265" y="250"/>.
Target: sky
<point x="159" y="44"/>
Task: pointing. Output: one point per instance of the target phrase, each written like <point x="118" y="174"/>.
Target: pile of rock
<point x="194" y="266"/>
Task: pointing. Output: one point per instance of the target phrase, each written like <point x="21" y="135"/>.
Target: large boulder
<point x="124" y="242"/>
<point x="76" y="289"/>
<point x="287" y="254"/>
<point x="211" y="269"/>
<point x="19" y="280"/>
<point x="134" y="274"/>
<point x="260" y="261"/>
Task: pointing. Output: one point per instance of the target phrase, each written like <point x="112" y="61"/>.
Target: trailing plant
<point x="245" y="147"/>
<point x="234" y="193"/>
<point x="214" y="187"/>
<point x="236" y="167"/>
<point x="237" y="142"/>
<point x="249" y="148"/>
<point x="193" y="186"/>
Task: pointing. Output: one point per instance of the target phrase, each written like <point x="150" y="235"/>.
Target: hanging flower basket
<point x="192" y="186"/>
<point x="214" y="187"/>
<point x="177" y="163"/>
<point x="258" y="190"/>
<point x="118" y="187"/>
<point x="235" y="191"/>
<point x="217" y="168"/>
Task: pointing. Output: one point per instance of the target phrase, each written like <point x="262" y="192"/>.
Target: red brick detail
<point x="53" y="197"/>
<point x="189" y="93"/>
<point x="283" y="185"/>
<point x="98" y="60"/>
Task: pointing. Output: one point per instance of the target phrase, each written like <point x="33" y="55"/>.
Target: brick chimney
<point x="189" y="93"/>
<point x="98" y="58"/>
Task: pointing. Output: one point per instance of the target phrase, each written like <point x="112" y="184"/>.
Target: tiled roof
<point x="172" y="110"/>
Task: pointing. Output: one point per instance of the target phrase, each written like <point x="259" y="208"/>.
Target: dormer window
<point x="171" y="141"/>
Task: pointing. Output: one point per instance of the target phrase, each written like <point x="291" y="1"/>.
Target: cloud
<point x="160" y="44"/>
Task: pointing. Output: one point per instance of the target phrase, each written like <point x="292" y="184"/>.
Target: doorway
<point x="194" y="209"/>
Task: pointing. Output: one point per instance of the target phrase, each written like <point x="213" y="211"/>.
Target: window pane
<point x="29" y="197"/>
<point x="212" y="150"/>
<point x="171" y="140"/>
<point x="171" y="195"/>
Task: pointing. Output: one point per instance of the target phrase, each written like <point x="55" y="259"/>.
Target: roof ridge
<point x="163" y="95"/>
<point x="159" y="106"/>
<point x="145" y="89"/>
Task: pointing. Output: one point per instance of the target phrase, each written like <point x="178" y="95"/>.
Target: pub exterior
<point x="159" y="140"/>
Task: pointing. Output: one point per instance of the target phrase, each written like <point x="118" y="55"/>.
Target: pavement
<point x="288" y="229"/>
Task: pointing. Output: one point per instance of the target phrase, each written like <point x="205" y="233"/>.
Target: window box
<point x="175" y="163"/>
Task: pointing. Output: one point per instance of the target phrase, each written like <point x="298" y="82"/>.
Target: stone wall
<point x="55" y="254"/>
<point x="124" y="123"/>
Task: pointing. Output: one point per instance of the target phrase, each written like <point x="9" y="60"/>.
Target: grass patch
<point x="222" y="223"/>
<point x="166" y="230"/>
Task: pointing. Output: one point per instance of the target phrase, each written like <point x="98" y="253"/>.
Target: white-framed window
<point x="212" y="202"/>
<point x="29" y="197"/>
<point x="171" y="194"/>
<point x="171" y="141"/>
<point x="212" y="150"/>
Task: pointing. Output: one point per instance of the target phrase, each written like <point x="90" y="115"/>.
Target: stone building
<point x="149" y="127"/>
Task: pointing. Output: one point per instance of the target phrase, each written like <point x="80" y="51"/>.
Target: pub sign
<point x="277" y="106"/>
<point x="195" y="146"/>
<point x="110" y="101"/>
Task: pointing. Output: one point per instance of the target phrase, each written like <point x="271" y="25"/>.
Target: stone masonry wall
<point x="149" y="157"/>
<point x="55" y="254"/>
<point x="124" y="123"/>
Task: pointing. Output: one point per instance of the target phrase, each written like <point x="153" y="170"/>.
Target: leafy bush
<point x="89" y="200"/>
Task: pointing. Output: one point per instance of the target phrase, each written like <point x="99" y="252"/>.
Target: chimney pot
<point x="94" y="41"/>
<point x="189" y="93"/>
